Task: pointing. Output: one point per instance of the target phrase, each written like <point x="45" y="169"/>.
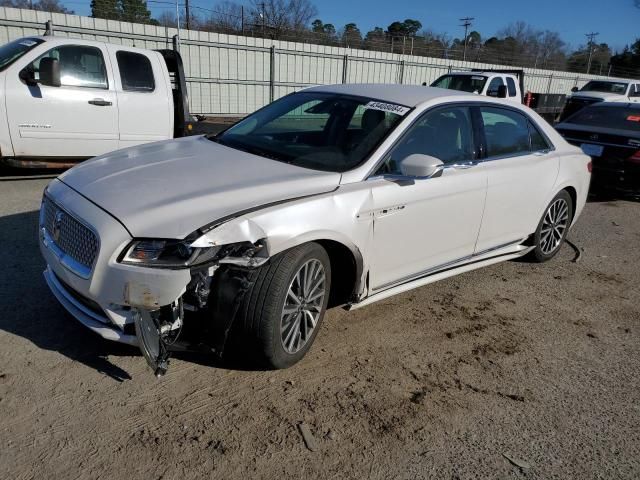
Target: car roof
<point x="634" y="106"/>
<point x="407" y="95"/>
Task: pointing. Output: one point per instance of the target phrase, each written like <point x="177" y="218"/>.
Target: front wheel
<point x="553" y="228"/>
<point x="283" y="310"/>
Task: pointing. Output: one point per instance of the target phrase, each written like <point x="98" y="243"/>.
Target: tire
<point x="553" y="228"/>
<point x="262" y="314"/>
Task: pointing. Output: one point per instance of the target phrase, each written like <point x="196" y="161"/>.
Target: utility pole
<point x="590" y="36"/>
<point x="466" y="23"/>
<point x="186" y="11"/>
<point x="263" y="17"/>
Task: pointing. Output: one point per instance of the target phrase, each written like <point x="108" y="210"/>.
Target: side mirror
<point x="502" y="91"/>
<point x="28" y="76"/>
<point x="574" y="89"/>
<point x="49" y="72"/>
<point x="421" y="166"/>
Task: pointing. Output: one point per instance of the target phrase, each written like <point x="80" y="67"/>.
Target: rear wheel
<point x="283" y="310"/>
<point x="553" y="228"/>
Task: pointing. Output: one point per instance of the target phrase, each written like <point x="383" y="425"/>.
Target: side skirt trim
<point x="461" y="267"/>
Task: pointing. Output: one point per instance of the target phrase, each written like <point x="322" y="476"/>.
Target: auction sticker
<point x="388" y="107"/>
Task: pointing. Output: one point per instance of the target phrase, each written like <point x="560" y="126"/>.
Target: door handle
<point x="100" y="102"/>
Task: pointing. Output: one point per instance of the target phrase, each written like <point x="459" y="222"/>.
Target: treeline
<point x="518" y="44"/>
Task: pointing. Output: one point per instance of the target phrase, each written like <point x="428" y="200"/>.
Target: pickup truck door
<point x="521" y="169"/>
<point x="145" y="101"/>
<point x="75" y="120"/>
<point x="421" y="225"/>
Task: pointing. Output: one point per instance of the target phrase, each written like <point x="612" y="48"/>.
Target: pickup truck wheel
<point x="553" y="228"/>
<point x="285" y="307"/>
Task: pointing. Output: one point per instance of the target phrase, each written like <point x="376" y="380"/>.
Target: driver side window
<point x="445" y="133"/>
<point x="80" y="66"/>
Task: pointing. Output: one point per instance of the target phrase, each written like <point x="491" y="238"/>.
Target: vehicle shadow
<point x="30" y="311"/>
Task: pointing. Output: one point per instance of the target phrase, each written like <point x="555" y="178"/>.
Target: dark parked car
<point x="609" y="133"/>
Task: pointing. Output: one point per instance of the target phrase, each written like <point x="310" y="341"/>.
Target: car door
<point x="521" y="169"/>
<point x="77" y="119"/>
<point x="421" y="225"/>
<point x="145" y="102"/>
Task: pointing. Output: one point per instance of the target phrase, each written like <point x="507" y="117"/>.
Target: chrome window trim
<point x="66" y="260"/>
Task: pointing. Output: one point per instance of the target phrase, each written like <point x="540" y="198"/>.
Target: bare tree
<point x="278" y="16"/>
<point x="227" y="17"/>
<point x="43" y="5"/>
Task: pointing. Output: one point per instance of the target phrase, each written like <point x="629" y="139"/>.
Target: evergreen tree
<point x="108" y="9"/>
<point x="135" y="11"/>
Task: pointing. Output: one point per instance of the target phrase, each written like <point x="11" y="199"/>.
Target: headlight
<point x="167" y="253"/>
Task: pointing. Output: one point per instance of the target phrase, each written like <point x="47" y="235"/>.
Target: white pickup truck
<point x="506" y="84"/>
<point x="66" y="100"/>
<point x="487" y="83"/>
<point x="627" y="91"/>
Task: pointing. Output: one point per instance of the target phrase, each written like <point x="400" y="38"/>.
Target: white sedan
<point x="335" y="195"/>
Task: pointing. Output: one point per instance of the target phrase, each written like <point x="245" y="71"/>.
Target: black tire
<point x="543" y="251"/>
<point x="261" y="312"/>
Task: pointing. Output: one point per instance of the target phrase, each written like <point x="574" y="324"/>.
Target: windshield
<point x="12" y="51"/>
<point x="464" y="83"/>
<point x="609" y="117"/>
<point x="322" y="131"/>
<point x="606" y="87"/>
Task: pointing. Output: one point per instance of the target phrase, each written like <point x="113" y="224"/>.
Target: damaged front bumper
<point x="142" y="305"/>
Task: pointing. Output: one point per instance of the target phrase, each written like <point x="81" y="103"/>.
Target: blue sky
<point x="618" y="21"/>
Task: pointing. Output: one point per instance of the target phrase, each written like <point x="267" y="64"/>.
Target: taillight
<point x="635" y="158"/>
<point x="590" y="166"/>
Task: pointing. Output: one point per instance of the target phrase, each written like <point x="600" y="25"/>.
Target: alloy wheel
<point x="302" y="306"/>
<point x="554" y="225"/>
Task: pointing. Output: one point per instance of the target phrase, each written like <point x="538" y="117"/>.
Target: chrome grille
<point x="68" y="234"/>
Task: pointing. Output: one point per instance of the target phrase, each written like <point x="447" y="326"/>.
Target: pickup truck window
<point x="80" y="66"/>
<point x="511" y="86"/>
<point x="493" y="86"/>
<point x="463" y="83"/>
<point x="605" y="87"/>
<point x="136" y="72"/>
<point x="12" y="51"/>
<point x="317" y="130"/>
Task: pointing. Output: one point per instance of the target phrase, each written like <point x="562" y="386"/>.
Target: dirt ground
<point x="537" y="363"/>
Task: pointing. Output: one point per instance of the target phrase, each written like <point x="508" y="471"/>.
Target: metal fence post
<point x="401" y="72"/>
<point x="345" y="64"/>
<point x="550" y="80"/>
<point x="272" y="73"/>
<point x="48" y="28"/>
<point x="176" y="43"/>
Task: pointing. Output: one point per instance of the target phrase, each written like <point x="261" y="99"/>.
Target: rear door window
<point x="506" y="132"/>
<point x="511" y="86"/>
<point x="136" y="72"/>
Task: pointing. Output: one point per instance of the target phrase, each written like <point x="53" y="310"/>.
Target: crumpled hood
<point x="170" y="189"/>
